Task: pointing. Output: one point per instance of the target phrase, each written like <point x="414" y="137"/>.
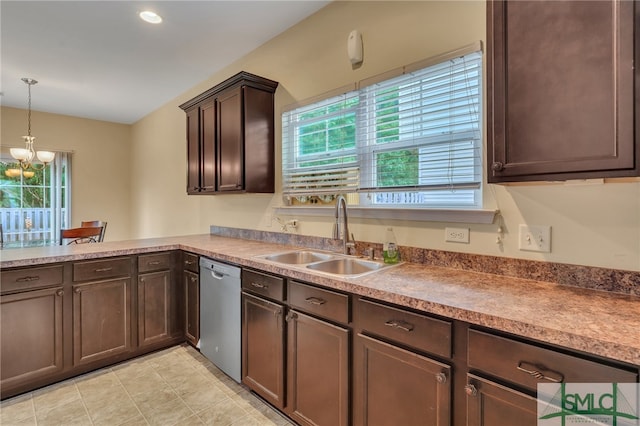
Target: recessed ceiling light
<point x="150" y="17"/>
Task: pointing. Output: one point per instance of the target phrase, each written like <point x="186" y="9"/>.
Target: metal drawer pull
<point x="28" y="278"/>
<point x="315" y="301"/>
<point x="441" y="378"/>
<point x="107" y="269"/>
<point x="60" y="293"/>
<point x="402" y="325"/>
<point x="259" y="285"/>
<point x="155" y="262"/>
<point x="189" y="262"/>
<point x="533" y="370"/>
<point x="470" y="390"/>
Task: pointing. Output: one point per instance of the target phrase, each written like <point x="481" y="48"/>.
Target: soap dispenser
<point x="390" y="251"/>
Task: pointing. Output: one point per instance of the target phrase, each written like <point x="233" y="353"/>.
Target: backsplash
<point x="614" y="280"/>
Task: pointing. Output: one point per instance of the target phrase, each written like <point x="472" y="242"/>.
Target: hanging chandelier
<point x="25" y="155"/>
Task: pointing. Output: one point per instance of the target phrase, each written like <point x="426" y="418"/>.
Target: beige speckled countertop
<point x="597" y="322"/>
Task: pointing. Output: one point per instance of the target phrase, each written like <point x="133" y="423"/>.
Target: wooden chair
<point x="93" y="223"/>
<point x="87" y="234"/>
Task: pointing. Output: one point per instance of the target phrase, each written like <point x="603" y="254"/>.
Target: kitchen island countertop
<point x="595" y="322"/>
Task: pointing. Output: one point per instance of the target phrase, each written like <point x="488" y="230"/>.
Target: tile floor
<point x="176" y="386"/>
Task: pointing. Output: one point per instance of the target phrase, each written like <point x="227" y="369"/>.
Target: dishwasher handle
<point x="217" y="275"/>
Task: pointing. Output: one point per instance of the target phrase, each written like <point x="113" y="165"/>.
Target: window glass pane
<point x="397" y="168"/>
<point x="33" y="201"/>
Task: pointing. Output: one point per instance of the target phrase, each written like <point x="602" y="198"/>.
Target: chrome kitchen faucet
<point x="338" y="232"/>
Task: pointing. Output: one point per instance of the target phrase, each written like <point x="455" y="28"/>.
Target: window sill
<point x="421" y="215"/>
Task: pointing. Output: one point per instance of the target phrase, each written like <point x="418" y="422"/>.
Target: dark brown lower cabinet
<point x="263" y="340"/>
<point x="393" y="386"/>
<point x="101" y="320"/>
<point x="490" y="404"/>
<point x="317" y="371"/>
<point x="31" y="336"/>
<point x="191" y="284"/>
<point x="154" y="307"/>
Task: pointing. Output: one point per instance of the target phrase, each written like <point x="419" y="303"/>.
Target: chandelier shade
<point x="26" y="155"/>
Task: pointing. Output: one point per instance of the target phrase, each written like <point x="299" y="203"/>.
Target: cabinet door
<point x="208" y="146"/>
<point x="31" y="336"/>
<point x="259" y="163"/>
<point x="393" y="386"/>
<point x="193" y="150"/>
<point x="317" y="371"/>
<point x="263" y="348"/>
<point x="154" y="307"/>
<point x="491" y="404"/>
<point x="101" y="320"/>
<point x="192" y="304"/>
<point x="561" y="90"/>
<point x="230" y="141"/>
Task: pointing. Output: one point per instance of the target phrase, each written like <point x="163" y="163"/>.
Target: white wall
<point x="597" y="225"/>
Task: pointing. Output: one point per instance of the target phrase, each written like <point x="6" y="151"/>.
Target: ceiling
<point x="99" y="60"/>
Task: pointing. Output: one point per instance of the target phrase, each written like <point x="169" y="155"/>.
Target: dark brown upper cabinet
<point x="561" y="97"/>
<point x="230" y="137"/>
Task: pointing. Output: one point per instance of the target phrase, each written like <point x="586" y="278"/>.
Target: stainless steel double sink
<point x="329" y="263"/>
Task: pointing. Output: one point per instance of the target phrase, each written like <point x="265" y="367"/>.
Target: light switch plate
<point x="535" y="238"/>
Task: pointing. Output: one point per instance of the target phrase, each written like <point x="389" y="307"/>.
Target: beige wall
<point x="597" y="225"/>
<point x="100" y="163"/>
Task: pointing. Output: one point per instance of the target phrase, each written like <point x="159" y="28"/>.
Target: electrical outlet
<point x="535" y="238"/>
<point x="456" y="235"/>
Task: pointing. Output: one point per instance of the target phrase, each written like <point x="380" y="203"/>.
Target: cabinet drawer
<point x="28" y="278"/>
<point x="99" y="269"/>
<point x="190" y="262"/>
<point x="418" y="331"/>
<point x="325" y="303"/>
<point x="154" y="262"/>
<point x="527" y="365"/>
<point x="265" y="285"/>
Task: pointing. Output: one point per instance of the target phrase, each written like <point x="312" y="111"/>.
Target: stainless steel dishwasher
<point x="220" y="321"/>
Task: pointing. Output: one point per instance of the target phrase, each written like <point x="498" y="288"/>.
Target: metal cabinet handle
<point x="259" y="285"/>
<point x="399" y="324"/>
<point x="60" y="293"/>
<point x="189" y="262"/>
<point x="193" y="279"/>
<point x="497" y="166"/>
<point x="291" y="316"/>
<point x="534" y="371"/>
<point x="441" y="378"/>
<point x="28" y="278"/>
<point x="77" y="290"/>
<point x="470" y="390"/>
<point x="107" y="269"/>
<point x="155" y="262"/>
<point x="315" y="301"/>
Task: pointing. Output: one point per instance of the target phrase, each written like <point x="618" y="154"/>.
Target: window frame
<point x="367" y="148"/>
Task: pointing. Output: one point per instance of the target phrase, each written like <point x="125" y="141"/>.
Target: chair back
<point x="94" y="223"/>
<point x="87" y="234"/>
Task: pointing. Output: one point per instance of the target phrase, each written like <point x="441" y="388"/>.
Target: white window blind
<point x="319" y="152"/>
<point x="412" y="140"/>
